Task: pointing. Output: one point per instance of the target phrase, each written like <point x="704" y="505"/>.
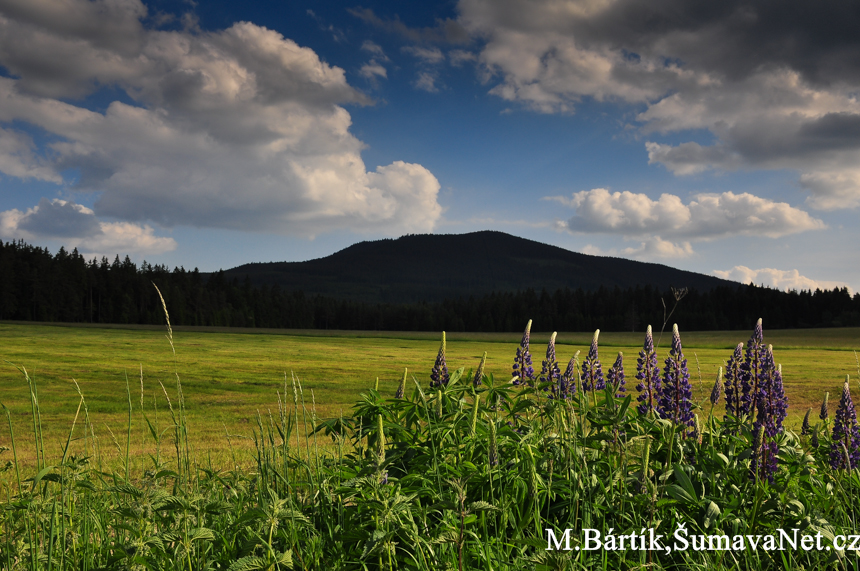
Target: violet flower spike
<point x="733" y="381"/>
<point x="439" y="374"/>
<point x="845" y="444"/>
<point x="648" y="375"/>
<point x="592" y="372"/>
<point x="523" y="370"/>
<point x="615" y="376"/>
<point x="566" y="386"/>
<point x="772" y="407"/>
<point x="752" y="371"/>
<point x="550" y="372"/>
<point x="676" y="400"/>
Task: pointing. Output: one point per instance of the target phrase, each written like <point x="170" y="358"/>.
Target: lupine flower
<point x="845" y="447"/>
<point x="733" y="381"/>
<point x="566" y="386"/>
<point x="380" y="441"/>
<point x="439" y="374"/>
<point x="675" y="403"/>
<point x="718" y="388"/>
<point x="804" y="428"/>
<point x="771" y="411"/>
<point x="479" y="373"/>
<point x="592" y="372"/>
<point x="615" y="376"/>
<point x="401" y="388"/>
<point x="752" y="371"/>
<point x="550" y="372"/>
<point x="648" y="374"/>
<point x="824" y="408"/>
<point x="523" y="370"/>
<point x="815" y="438"/>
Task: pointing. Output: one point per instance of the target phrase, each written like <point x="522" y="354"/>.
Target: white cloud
<point x="426" y="81"/>
<point x="775" y="92"/>
<point x="78" y="227"/>
<point x="240" y="128"/>
<point x="707" y="216"/>
<point x="373" y="69"/>
<point x="374" y="49"/>
<point x="460" y="57"/>
<point x="778" y="279"/>
<point x="651" y="249"/>
<point x="427" y="55"/>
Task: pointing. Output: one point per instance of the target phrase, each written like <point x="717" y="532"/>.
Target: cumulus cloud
<point x="652" y="248"/>
<point x="374" y="49"/>
<point x="426" y="81"/>
<point x="706" y="216"/>
<point x="778" y="279"/>
<point x="77" y="226"/>
<point x="239" y="128"/>
<point x="775" y="83"/>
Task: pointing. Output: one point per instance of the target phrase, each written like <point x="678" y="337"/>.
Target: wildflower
<point x="479" y="373"/>
<point x="523" y="371"/>
<point x="401" y="388"/>
<point x="615" y="376"/>
<point x="550" y="372"/>
<point x="648" y="374"/>
<point x="752" y="371"/>
<point x="592" y="372"/>
<point x="845" y="446"/>
<point x="815" y="438"/>
<point x="675" y="403"/>
<point x="771" y="411"/>
<point x="566" y="386"/>
<point x="804" y="428"/>
<point x="733" y="379"/>
<point x="439" y="374"/>
<point x="718" y="387"/>
<point x="824" y="408"/>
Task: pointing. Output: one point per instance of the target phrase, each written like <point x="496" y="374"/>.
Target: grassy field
<point x="229" y="375"/>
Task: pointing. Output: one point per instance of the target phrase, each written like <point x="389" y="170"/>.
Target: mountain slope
<point x="433" y="267"/>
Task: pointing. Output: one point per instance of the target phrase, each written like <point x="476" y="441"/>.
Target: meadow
<point x="277" y="450"/>
<point x="230" y="375"/>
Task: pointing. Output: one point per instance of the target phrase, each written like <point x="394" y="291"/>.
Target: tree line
<point x="65" y="287"/>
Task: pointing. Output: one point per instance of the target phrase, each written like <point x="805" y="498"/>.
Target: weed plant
<point x="473" y="473"/>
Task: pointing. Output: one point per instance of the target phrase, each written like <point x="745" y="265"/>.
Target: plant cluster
<point x="473" y="473"/>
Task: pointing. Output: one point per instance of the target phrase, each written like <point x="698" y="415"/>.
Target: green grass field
<point x="228" y="376"/>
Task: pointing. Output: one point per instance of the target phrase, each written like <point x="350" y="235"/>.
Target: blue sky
<point x="722" y="138"/>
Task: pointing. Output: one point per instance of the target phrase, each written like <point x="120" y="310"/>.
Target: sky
<point x="717" y="137"/>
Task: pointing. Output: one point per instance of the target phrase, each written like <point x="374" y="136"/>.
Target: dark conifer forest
<point x="36" y="285"/>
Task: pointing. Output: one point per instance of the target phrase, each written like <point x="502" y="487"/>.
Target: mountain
<point x="433" y="267"/>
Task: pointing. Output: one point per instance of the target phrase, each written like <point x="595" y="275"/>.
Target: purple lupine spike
<point x="648" y="375"/>
<point x="439" y="374"/>
<point x="733" y="381"/>
<point x="752" y="371"/>
<point x="592" y="372"/>
<point x="615" y="376"/>
<point x="676" y="404"/>
<point x="566" y="386"/>
<point x="550" y="372"/>
<point x="846" y="434"/>
<point x="771" y="410"/>
<point x="523" y="370"/>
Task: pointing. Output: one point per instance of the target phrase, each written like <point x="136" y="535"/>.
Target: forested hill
<point x="36" y="285"/>
<point x="435" y="267"/>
